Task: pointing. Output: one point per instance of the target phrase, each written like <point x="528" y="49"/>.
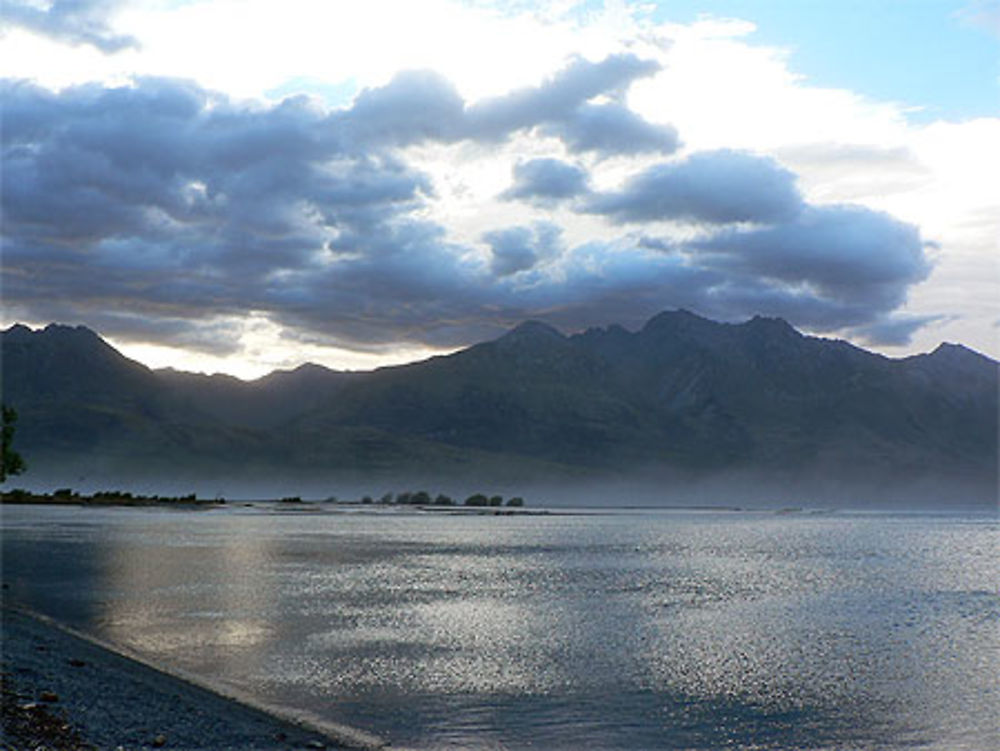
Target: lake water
<point x="628" y="630"/>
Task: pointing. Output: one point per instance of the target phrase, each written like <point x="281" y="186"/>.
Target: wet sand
<point x="65" y="690"/>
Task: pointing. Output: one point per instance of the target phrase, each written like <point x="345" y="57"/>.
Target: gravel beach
<point x="62" y="690"/>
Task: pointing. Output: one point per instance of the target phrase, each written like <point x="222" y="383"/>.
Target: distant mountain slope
<point x="84" y="406"/>
<point x="262" y="404"/>
<point x="681" y="395"/>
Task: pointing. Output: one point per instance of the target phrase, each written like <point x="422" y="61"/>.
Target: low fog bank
<point x="746" y="489"/>
<point x="758" y="491"/>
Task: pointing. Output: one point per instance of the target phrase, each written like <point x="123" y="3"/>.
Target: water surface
<point x="659" y="630"/>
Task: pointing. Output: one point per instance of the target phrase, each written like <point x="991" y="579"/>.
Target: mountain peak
<point x="306" y="373"/>
<point x="62" y="329"/>
<point x="51" y="330"/>
<point x="949" y="353"/>
<point x="679" y="318"/>
<point x="676" y="320"/>
<point x="307" y="368"/>
<point x="533" y="331"/>
<point x="17" y="331"/>
<point x="775" y="325"/>
<point x="949" y="349"/>
<point x="59" y="336"/>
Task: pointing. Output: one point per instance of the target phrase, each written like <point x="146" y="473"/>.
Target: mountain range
<point x="680" y="410"/>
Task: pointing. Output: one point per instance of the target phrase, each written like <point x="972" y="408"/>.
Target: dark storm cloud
<point x="546" y="180"/>
<point x="520" y="248"/>
<point x="611" y="129"/>
<point x="162" y="197"/>
<point x="73" y="21"/>
<point x="848" y="254"/>
<point x="403" y="283"/>
<point x="92" y="162"/>
<point x="160" y="210"/>
<point x="828" y="268"/>
<point x="715" y="186"/>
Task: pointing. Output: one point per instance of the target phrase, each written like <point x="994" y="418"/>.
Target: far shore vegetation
<point x="419" y="499"/>
<point x="101" y="498"/>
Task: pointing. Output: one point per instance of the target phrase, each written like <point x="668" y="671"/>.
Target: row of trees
<point x="100" y="497"/>
<point x="423" y="498"/>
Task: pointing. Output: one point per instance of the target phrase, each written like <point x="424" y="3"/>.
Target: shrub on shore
<point x="424" y="498"/>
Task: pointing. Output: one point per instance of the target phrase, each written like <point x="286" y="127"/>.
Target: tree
<point x="12" y="463"/>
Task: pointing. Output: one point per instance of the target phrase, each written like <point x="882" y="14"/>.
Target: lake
<point x="642" y="629"/>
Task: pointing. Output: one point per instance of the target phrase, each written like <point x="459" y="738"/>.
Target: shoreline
<point x="104" y="696"/>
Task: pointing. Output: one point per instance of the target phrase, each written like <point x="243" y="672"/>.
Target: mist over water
<point x="624" y="630"/>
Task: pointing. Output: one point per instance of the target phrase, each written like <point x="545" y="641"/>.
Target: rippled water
<point x="609" y="631"/>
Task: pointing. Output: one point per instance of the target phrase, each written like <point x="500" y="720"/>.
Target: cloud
<point x="415" y="106"/>
<point x="613" y="130"/>
<point x="520" y="248"/>
<point x="717" y="187"/>
<point x="558" y="99"/>
<point x="847" y="252"/>
<point x="546" y="180"/>
<point x="893" y="330"/>
<point x="420" y="106"/>
<point x="983" y="14"/>
<point x="832" y="267"/>
<point x="163" y="209"/>
<point x="164" y="197"/>
<point x="73" y="21"/>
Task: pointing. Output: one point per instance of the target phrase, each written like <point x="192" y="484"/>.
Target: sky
<point x="243" y="185"/>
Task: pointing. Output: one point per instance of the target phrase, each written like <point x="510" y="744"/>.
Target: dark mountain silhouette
<point x="682" y="400"/>
<point x="266" y="403"/>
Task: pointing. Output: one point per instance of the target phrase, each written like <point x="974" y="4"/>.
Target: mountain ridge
<point x="681" y="396"/>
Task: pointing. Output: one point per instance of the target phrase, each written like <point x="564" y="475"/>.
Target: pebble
<point x="159" y="741"/>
